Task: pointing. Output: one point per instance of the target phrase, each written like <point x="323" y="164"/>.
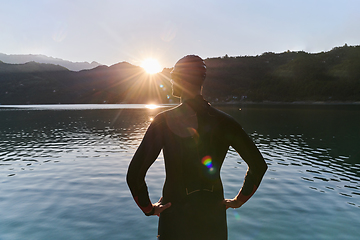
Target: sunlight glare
<point x="151" y="66"/>
<point x="151" y="106"/>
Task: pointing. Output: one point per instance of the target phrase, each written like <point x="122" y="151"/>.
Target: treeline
<point x="282" y="77"/>
<point x="286" y="77"/>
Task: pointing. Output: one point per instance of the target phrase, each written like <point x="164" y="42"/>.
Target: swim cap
<point x="190" y="68"/>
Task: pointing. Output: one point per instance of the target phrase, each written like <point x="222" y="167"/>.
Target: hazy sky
<point x="112" y="31"/>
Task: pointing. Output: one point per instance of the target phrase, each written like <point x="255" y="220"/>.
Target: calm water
<point x="62" y="173"/>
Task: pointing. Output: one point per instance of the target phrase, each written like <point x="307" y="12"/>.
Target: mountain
<point x="73" y="66"/>
<point x="36" y="83"/>
<point x="30" y="67"/>
<point x="281" y="77"/>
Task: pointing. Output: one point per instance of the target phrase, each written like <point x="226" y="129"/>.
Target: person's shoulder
<point x="160" y="117"/>
<point x="222" y="116"/>
<point x="228" y="125"/>
<point x="167" y="112"/>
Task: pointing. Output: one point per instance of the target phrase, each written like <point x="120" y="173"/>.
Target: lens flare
<point x="236" y="215"/>
<point x="207" y="162"/>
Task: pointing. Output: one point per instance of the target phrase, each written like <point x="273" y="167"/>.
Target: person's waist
<point x="190" y="190"/>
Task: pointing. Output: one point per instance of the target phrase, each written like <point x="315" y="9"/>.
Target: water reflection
<point x="31" y="137"/>
<point x="74" y="164"/>
<point x="318" y="142"/>
<point x="316" y="165"/>
<point x="152" y="106"/>
<point x="322" y="143"/>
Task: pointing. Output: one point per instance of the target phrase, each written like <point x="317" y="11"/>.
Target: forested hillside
<point x="282" y="77"/>
<point x="288" y="76"/>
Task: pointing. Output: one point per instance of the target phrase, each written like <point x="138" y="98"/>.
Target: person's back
<point x="195" y="138"/>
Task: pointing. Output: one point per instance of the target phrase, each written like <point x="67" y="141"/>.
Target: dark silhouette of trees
<point x="282" y="77"/>
<point x="287" y="76"/>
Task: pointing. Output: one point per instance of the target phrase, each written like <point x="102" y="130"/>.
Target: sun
<point x="151" y="66"/>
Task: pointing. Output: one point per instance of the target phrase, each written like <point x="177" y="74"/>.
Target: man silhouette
<point x="195" y="138"/>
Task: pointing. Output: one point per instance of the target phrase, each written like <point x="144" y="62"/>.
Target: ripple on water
<point x="63" y="175"/>
<point x="316" y="164"/>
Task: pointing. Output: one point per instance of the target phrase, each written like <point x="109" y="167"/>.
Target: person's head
<point x="188" y="75"/>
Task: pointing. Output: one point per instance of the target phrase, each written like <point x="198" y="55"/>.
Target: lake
<point x="63" y="168"/>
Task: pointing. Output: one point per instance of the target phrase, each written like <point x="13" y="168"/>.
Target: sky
<point x="113" y="31"/>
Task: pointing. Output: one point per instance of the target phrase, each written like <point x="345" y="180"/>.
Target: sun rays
<point x="138" y="84"/>
<point x="148" y="88"/>
<point x="151" y="66"/>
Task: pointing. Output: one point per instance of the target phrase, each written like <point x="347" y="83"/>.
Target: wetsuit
<point x="194" y="145"/>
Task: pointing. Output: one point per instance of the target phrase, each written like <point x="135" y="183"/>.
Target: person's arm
<point x="144" y="157"/>
<point x="257" y="167"/>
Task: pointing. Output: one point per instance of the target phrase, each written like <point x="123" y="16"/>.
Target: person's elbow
<point x="259" y="168"/>
<point x="130" y="179"/>
<point x="264" y="167"/>
<point x="259" y="171"/>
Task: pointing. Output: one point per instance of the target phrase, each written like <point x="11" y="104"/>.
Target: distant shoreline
<point x="285" y="103"/>
<point x="175" y="104"/>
